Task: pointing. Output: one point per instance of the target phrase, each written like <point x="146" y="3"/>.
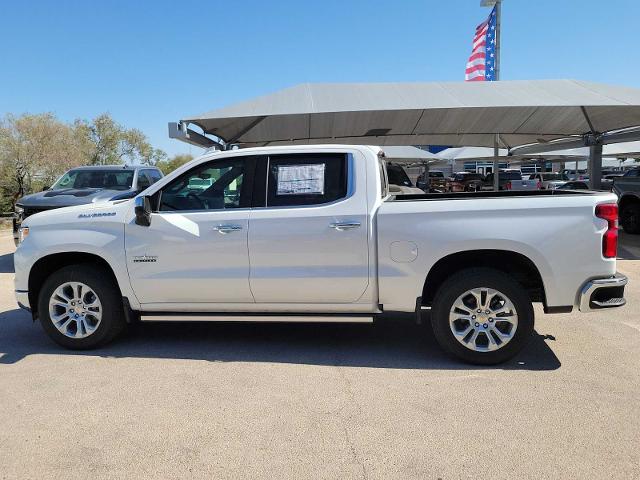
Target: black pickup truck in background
<point x="84" y="185"/>
<point x="627" y="188"/>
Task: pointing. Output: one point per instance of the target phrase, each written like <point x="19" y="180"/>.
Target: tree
<point x="169" y="165"/>
<point x="34" y="149"/>
<point x="106" y="142"/>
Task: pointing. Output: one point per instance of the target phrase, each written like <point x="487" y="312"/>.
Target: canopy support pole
<point x="496" y="163"/>
<point x="425" y="173"/>
<point x="595" y="166"/>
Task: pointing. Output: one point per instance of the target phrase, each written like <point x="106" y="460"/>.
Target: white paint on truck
<point x="242" y="248"/>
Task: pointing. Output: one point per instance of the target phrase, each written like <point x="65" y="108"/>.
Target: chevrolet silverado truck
<point x="312" y="233"/>
<point x="627" y="187"/>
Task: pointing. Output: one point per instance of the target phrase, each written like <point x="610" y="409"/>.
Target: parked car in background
<point x="627" y="188"/>
<point x="200" y="183"/>
<point x="312" y="233"/>
<point x="437" y="181"/>
<point x="608" y="176"/>
<point x="84" y="185"/>
<point x="573" y="185"/>
<point x="399" y="181"/>
<point x="549" y="180"/>
<point x="576" y="175"/>
<point x="464" y="182"/>
<point x="510" y="180"/>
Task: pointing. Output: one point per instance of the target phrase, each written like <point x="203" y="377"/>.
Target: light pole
<point x="496" y="144"/>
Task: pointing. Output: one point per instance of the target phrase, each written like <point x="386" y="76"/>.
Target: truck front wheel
<point x="482" y="316"/>
<point x="80" y="307"/>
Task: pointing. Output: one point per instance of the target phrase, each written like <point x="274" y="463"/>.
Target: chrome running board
<point x="226" y="317"/>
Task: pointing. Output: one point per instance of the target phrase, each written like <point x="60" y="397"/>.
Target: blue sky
<point x="148" y="63"/>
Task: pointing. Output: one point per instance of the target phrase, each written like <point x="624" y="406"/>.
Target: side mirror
<point x="143" y="211"/>
<point x="45" y="188"/>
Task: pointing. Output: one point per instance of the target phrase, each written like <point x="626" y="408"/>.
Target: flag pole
<point x="498" y="25"/>
<point x="496" y="146"/>
<point x="498" y="6"/>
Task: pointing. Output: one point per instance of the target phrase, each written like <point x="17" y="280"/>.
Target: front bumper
<point x="22" y="297"/>
<point x="603" y="293"/>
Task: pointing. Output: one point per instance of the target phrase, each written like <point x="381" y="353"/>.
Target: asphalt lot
<point x="321" y="401"/>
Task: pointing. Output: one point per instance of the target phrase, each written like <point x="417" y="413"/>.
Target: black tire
<point x="630" y="218"/>
<point x="112" y="321"/>
<point x="472" y="278"/>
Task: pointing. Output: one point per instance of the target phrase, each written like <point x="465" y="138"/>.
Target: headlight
<point x="23" y="232"/>
<point x="17" y="212"/>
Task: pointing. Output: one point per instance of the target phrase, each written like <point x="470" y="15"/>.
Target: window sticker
<point x="301" y="179"/>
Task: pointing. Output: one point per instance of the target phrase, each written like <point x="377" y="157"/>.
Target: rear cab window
<point x="397" y="176"/>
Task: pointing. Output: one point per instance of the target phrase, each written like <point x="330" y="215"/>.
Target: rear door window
<point x="306" y="179"/>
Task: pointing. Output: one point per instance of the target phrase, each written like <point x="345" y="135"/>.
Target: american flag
<point x="482" y="62"/>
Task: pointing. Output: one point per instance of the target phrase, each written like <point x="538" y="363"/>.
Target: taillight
<point x="609" y="212"/>
<point x="507" y="185"/>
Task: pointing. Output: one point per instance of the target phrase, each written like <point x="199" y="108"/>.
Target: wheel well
<point x="514" y="264"/>
<point x="45" y="266"/>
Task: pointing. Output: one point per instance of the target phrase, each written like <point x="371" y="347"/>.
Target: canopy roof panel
<point x="408" y="153"/>
<point x="627" y="149"/>
<point x="460" y="113"/>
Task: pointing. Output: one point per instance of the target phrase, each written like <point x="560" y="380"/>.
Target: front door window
<point x="212" y="186"/>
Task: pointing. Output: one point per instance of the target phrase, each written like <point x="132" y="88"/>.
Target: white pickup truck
<point x="311" y="233"/>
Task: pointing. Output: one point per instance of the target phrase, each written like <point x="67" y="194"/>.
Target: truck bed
<point x="556" y="230"/>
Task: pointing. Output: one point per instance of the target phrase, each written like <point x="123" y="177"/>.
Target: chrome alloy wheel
<point x="483" y="319"/>
<point x="75" y="310"/>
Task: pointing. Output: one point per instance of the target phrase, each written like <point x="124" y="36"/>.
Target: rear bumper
<point x="603" y="293"/>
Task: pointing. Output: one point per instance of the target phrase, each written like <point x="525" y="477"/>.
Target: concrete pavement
<point x="321" y="401"/>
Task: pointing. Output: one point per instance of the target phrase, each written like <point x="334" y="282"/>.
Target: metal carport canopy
<point x="456" y="114"/>
<point x="408" y="154"/>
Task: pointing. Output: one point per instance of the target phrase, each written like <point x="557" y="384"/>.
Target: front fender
<point x="95" y="231"/>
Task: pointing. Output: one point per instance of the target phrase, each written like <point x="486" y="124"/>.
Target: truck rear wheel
<point x="482" y="316"/>
<point x="630" y="218"/>
<point x="80" y="307"/>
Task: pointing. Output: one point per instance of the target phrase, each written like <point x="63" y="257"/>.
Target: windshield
<point x="109" y="179"/>
<point x="554" y="176"/>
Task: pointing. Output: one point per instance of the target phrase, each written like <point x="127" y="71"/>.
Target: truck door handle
<point x="224" y="229"/>
<point x="341" y="226"/>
